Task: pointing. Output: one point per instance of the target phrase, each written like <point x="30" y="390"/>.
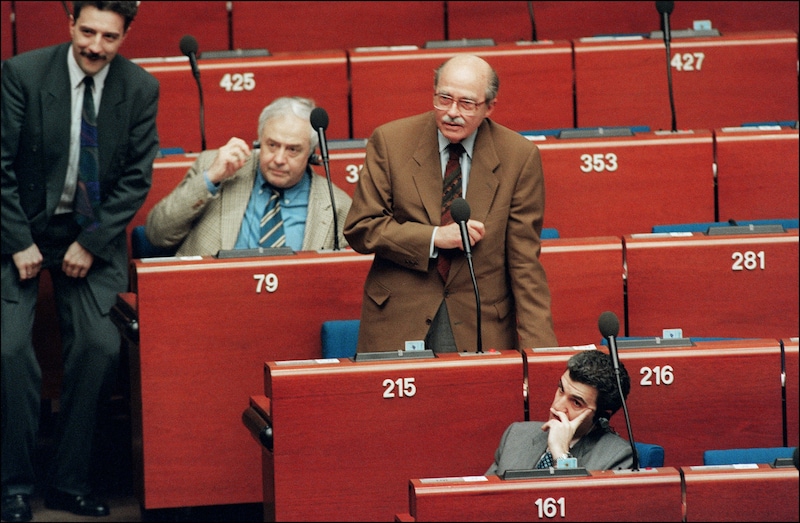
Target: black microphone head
<point x="319" y="118"/>
<point x="608" y="324"/>
<point x="459" y="210"/>
<point x="188" y="45"/>
<point x="665" y="7"/>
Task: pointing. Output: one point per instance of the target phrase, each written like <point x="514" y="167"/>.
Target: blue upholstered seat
<point x="142" y="248"/>
<point x="766" y="455"/>
<point x="339" y="338"/>
<point x="650" y="455"/>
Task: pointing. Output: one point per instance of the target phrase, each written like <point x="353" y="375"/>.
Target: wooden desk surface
<point x="743" y="285"/>
<point x="717" y="81"/>
<point x="757" y="173"/>
<point x="585" y="279"/>
<point x="741" y="493"/>
<point x="205" y="329"/>
<point x="625" y="185"/>
<point x="646" y="495"/>
<point x="792" y="387"/>
<point x="349" y="435"/>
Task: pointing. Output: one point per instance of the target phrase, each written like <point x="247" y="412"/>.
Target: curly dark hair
<point x="596" y="369"/>
<point x="127" y="10"/>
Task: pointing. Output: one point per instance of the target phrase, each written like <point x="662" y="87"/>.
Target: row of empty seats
<point x="334" y="25"/>
<point x="544" y="85"/>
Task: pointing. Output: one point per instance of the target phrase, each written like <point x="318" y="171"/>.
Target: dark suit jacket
<point x="35" y="126"/>
<point x="523" y="443"/>
<point x="396" y="205"/>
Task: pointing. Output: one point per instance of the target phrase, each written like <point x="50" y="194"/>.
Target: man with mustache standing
<point x="78" y="142"/>
<point x="419" y="287"/>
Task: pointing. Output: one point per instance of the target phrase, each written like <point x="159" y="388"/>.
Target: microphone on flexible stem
<point x="609" y="328"/>
<point x="665" y="8"/>
<point x="460" y="212"/>
<point x="319" y="121"/>
<point x="189" y="48"/>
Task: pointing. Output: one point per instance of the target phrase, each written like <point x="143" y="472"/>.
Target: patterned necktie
<point x="451" y="189"/>
<point x="87" y="194"/>
<point x="272" y="234"/>
<point x="546" y="462"/>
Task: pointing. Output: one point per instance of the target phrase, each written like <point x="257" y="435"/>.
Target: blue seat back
<point x="550" y="234"/>
<point x="787" y="223"/>
<point x="766" y="455"/>
<point x="142" y="248"/>
<point x="339" y="338"/>
<point x="650" y="455"/>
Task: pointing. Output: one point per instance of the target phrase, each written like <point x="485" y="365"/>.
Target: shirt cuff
<point x="212" y="187"/>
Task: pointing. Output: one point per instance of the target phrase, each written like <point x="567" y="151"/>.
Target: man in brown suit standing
<point x="398" y="213"/>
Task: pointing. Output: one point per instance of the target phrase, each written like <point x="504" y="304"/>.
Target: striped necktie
<point x="272" y="234"/>
<point x="87" y="194"/>
<point x="451" y="189"/>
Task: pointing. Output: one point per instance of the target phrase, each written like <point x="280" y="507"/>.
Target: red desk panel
<point x="730" y="286"/>
<point x="646" y="495"/>
<point x="205" y="329"/>
<point x="535" y="84"/>
<point x="790" y="347"/>
<point x="741" y="493"/>
<point x="349" y="435"/>
<point x="235" y="91"/>
<point x="757" y="173"/>
<point x="681" y="398"/>
<point x="336" y="25"/>
<point x="346" y="158"/>
<point x="585" y="279"/>
<point x="717" y="81"/>
<point x="603" y="186"/>
<point x="623" y="185"/>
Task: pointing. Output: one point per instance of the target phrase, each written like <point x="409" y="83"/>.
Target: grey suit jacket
<point x="524" y="442"/>
<point x="35" y="120"/>
<point x="396" y="206"/>
<point x="203" y="223"/>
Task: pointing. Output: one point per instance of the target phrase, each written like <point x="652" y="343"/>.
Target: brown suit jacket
<point x="396" y="205"/>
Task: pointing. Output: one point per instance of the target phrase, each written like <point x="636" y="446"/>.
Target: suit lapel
<point x="235" y="202"/>
<point x="428" y="176"/>
<point x="319" y="219"/>
<point x="482" y="184"/>
<point x="110" y="118"/>
<point x="482" y="179"/>
<point x="56" y="117"/>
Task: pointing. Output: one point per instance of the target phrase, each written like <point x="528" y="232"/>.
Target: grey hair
<point x="296" y="105"/>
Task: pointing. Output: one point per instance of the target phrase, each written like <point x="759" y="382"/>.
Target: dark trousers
<point x="91" y="344"/>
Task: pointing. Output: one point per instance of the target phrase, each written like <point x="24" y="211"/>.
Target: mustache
<point x="93" y="56"/>
<point x="456" y="121"/>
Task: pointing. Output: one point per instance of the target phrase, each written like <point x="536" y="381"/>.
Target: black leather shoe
<point x="17" y="508"/>
<point x="86" y="505"/>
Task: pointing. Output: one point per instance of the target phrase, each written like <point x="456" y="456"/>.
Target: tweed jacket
<point x="203" y="223"/>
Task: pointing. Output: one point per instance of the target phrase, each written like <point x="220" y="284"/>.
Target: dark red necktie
<point x="451" y="189"/>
